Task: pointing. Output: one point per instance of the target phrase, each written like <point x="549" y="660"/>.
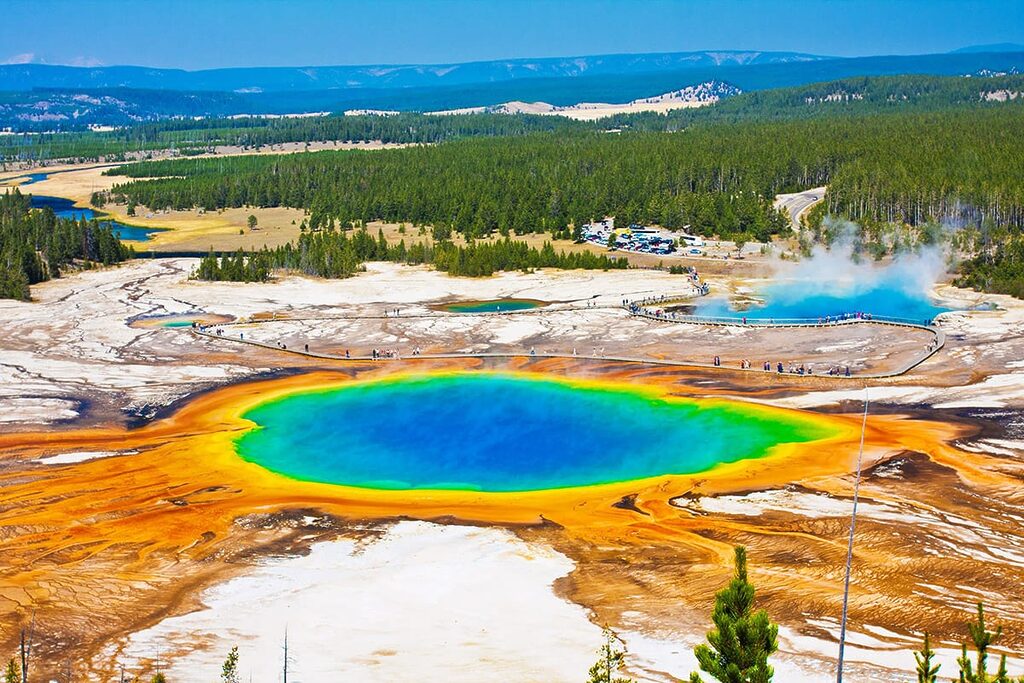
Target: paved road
<point x="798" y="202"/>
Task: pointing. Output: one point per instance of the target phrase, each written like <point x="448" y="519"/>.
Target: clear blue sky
<point x="196" y="34"/>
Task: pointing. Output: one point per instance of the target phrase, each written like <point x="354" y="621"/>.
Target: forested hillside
<point x="998" y="265"/>
<point x="190" y="136"/>
<point x="333" y="254"/>
<point x="946" y="166"/>
<point x="512" y="185"/>
<point x="847" y="97"/>
<point x="36" y="245"/>
<point x="852" y="96"/>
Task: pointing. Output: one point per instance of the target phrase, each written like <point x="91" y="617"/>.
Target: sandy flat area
<point x="421" y="602"/>
<point x="424" y="602"/>
<point x="584" y="111"/>
<point x="687" y="98"/>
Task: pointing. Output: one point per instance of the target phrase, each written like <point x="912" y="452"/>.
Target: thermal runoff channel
<point x="494" y="432"/>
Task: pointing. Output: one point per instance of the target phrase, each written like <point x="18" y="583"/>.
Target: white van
<point x="692" y="240"/>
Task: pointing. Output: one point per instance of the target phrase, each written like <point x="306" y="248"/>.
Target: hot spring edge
<point x="498" y="432"/>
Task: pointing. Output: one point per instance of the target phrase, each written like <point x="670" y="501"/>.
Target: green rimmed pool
<point x="493" y="306"/>
<point x="179" y="320"/>
<point x="498" y="432"/>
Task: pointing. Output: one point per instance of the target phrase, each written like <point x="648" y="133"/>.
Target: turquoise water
<point x="889" y="296"/>
<point x="177" y="323"/>
<point x="65" y="208"/>
<point x="504" y="433"/>
<point x="493" y="306"/>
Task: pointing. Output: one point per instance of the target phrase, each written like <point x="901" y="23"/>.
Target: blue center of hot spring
<point x="504" y="433"/>
<point x="888" y="294"/>
<point x="493" y="306"/>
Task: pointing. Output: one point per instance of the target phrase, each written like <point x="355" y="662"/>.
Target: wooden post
<point x="286" y="654"/>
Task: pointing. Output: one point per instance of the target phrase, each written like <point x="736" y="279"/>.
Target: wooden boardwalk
<point x="938" y="343"/>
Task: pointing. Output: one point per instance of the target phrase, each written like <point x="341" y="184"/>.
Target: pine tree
<point x="926" y="673"/>
<point x="12" y="674"/>
<point x="229" y="672"/>
<point x="609" y="661"/>
<point x="742" y="640"/>
<point x="982" y="639"/>
<point x="158" y="678"/>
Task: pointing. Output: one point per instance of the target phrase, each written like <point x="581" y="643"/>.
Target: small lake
<point x="493" y="306"/>
<point x="65" y="208"/>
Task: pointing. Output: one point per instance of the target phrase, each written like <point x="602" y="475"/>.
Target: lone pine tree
<point x="609" y="661"/>
<point x="926" y="672"/>
<point x="982" y="639"/>
<point x="742" y="640"/>
<point x="229" y="672"/>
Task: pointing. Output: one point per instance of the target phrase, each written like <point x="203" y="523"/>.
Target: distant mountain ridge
<point x="991" y="47"/>
<point x="74" y="108"/>
<point x="21" y="77"/>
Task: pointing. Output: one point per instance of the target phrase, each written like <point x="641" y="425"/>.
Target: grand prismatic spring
<point x="505" y="433"/>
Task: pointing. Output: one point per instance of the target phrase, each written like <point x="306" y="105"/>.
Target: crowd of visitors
<point x="791" y="368"/>
<point x="636" y="307"/>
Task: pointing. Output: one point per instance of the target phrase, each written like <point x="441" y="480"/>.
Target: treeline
<point x="393" y="128"/>
<point x="538" y="183"/>
<point x="849" y="96"/>
<point x="998" y="265"/>
<point x="332" y="254"/>
<point x="857" y="96"/>
<point x="963" y="168"/>
<point x="190" y="136"/>
<point x="719" y="179"/>
<point x="35" y="245"/>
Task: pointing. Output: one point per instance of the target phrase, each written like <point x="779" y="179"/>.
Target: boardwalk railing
<point x="749" y="321"/>
<point x="641" y="309"/>
<point x="932" y="349"/>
